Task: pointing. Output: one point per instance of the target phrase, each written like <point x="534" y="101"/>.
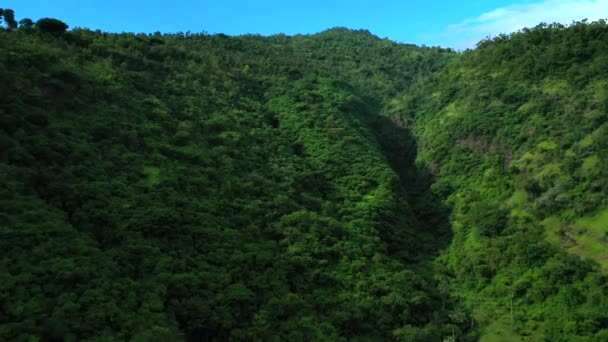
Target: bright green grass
<point x="499" y="331"/>
<point x="594" y="237"/>
<point x="598" y="223"/>
<point x="587" y="237"/>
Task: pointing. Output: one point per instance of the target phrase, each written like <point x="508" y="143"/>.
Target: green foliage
<point x="159" y="191"/>
<point x="51" y="25"/>
<point x="515" y="130"/>
<point x="26" y="23"/>
<point x="9" y="18"/>
<point x="334" y="186"/>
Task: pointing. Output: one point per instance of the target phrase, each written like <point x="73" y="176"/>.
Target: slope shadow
<point x="398" y="145"/>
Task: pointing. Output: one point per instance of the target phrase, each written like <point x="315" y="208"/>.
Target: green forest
<point x="326" y="187"/>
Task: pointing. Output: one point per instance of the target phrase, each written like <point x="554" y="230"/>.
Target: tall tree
<point x="9" y="18"/>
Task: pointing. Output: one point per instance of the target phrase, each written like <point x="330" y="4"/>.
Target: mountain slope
<point x="205" y="187"/>
<point x="334" y="186"/>
<point x="516" y="132"/>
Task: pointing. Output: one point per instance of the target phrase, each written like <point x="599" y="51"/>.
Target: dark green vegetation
<point x="328" y="187"/>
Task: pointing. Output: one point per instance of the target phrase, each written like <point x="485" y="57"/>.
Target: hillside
<point x="335" y="186"/>
<point x="516" y="132"/>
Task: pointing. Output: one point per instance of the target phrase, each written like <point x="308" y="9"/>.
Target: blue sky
<point x="458" y="24"/>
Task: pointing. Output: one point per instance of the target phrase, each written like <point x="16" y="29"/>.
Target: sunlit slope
<point x="516" y="133"/>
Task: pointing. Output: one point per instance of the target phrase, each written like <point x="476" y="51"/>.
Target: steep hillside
<point x="208" y="187"/>
<point x="335" y="186"/>
<point x="516" y="132"/>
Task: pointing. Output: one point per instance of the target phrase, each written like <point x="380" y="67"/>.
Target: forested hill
<point x="335" y="186"/>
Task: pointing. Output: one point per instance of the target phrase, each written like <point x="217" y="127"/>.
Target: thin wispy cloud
<point x="515" y="17"/>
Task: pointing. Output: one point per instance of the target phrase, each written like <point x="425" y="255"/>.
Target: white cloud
<point x="515" y="17"/>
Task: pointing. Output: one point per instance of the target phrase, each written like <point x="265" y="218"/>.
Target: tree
<point x="26" y="23"/>
<point x="9" y="18"/>
<point x="50" y="25"/>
